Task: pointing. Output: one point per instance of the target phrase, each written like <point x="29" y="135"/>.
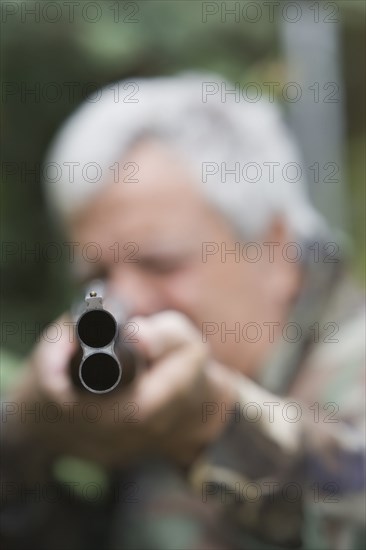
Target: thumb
<point x="162" y="333"/>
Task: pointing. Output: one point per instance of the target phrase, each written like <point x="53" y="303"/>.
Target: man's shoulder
<point x="334" y="367"/>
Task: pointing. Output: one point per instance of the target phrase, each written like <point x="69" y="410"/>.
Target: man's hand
<point x="160" y="412"/>
<point x="182" y="377"/>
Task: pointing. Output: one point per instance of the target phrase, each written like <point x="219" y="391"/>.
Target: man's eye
<point x="159" y="266"/>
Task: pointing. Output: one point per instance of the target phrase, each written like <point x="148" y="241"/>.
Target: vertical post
<point x="311" y="52"/>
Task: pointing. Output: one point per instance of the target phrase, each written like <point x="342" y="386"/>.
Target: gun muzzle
<point x="101" y="358"/>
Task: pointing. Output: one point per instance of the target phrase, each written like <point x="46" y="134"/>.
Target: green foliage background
<point x="169" y="36"/>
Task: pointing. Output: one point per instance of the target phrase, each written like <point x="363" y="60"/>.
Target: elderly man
<point x="246" y="428"/>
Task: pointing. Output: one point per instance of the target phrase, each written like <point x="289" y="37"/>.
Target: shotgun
<point x="103" y="361"/>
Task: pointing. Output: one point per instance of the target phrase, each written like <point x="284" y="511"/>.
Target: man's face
<point x="152" y="233"/>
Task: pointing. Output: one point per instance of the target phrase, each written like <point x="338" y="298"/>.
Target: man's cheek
<point x="184" y="302"/>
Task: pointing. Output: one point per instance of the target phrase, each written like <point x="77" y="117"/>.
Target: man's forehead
<point x="163" y="191"/>
<point x="145" y="213"/>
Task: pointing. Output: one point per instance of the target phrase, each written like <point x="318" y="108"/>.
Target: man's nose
<point x="135" y="290"/>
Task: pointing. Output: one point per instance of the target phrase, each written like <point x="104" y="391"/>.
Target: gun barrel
<point x="102" y="358"/>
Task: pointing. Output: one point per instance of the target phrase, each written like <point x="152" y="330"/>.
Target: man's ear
<point x="284" y="263"/>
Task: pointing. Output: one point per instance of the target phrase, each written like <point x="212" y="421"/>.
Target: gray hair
<point x="241" y="152"/>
